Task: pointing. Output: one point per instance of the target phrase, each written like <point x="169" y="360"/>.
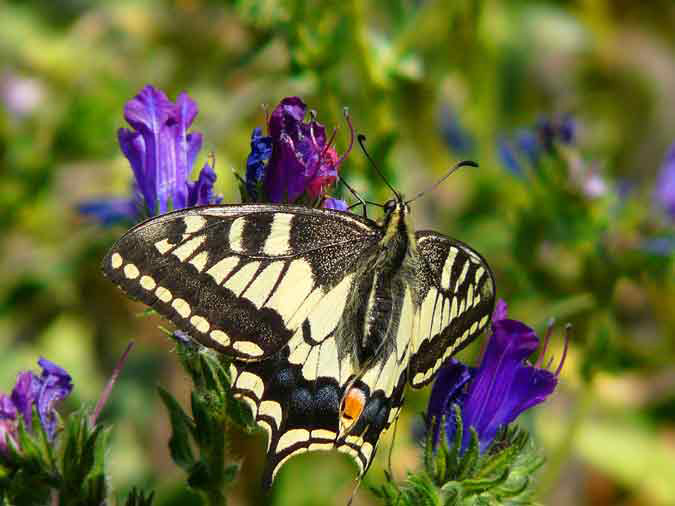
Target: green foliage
<point x="213" y="409"/>
<point x="73" y="470"/>
<point x="453" y="476"/>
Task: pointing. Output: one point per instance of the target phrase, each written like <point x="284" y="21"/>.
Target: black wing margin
<point x="456" y="297"/>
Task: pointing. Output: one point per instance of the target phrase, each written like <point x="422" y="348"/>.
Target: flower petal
<point x="448" y="389"/>
<point x="336" y="204"/>
<point x="24" y="394"/>
<point x="110" y="211"/>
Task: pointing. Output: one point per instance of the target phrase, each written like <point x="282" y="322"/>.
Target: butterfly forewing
<point x="240" y="279"/>
<point x="456" y="295"/>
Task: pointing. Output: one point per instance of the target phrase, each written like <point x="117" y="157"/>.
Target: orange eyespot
<point x="352" y="405"/>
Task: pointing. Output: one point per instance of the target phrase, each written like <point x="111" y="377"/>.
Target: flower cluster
<point x="529" y="145"/>
<point x="296" y="161"/>
<point x="32" y="391"/>
<point x="161" y="153"/>
<point x="492" y="395"/>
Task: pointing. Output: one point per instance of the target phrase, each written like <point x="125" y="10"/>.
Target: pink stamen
<point x="109" y="386"/>
<point x="330" y="141"/>
<point x="549" y="330"/>
<point x="568" y="331"/>
<point x="351" y="139"/>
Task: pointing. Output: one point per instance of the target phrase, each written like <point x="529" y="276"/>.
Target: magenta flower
<point x="296" y="158"/>
<point x="43" y="392"/>
<point x="503" y="386"/>
<point x="161" y="153"/>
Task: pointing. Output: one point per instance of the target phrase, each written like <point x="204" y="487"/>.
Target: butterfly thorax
<point x="382" y="285"/>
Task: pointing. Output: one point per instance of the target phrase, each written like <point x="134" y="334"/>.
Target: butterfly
<point x="327" y="316"/>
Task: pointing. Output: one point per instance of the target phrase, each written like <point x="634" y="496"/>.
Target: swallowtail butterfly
<point x="327" y="316"/>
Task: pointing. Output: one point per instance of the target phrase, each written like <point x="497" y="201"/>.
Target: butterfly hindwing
<point x="240" y="279"/>
<point x="300" y="414"/>
<point x="456" y="296"/>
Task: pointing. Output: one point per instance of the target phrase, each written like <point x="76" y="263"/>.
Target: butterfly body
<point x="327" y="316"/>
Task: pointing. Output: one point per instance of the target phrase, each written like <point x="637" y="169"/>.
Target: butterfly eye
<point x="389" y="206"/>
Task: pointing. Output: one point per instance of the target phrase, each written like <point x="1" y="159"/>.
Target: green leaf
<point x="181" y="428"/>
<point x="477" y="486"/>
<point x="138" y="498"/>
<point x="468" y="463"/>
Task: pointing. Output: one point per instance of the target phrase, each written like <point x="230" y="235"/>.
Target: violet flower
<point x="43" y="392"/>
<point x="504" y="385"/>
<point x="295" y="158"/>
<point x="665" y="184"/>
<point x="530" y="144"/>
<point x="333" y="203"/>
<point x="161" y="153"/>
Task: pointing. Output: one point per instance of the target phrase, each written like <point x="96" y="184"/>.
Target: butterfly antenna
<point x="362" y="139"/>
<point x="465" y="163"/>
<point x="355" y="193"/>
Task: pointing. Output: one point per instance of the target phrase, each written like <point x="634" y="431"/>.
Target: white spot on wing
<point x="251" y="382"/>
<point x="116" y="260"/>
<point x="131" y="271"/>
<point x="163" y="294"/>
<point x="271" y="409"/>
<point x="240" y="279"/>
<point x="447" y="268"/>
<point x="279" y="238"/>
<point x="309" y="369"/>
<point x="187" y="248"/>
<point x="292" y="437"/>
<point x="236" y="236"/>
<point x="163" y="246"/>
<point x="462" y="276"/>
<point x="182" y="307"/>
<point x="262" y="285"/>
<point x="220" y="337"/>
<point x="292" y="291"/>
<point x="223" y="268"/>
<point x="248" y="348"/>
<point x="325" y="316"/>
<point x="147" y="283"/>
<point x="194" y="223"/>
<point x="200" y="259"/>
<point x="200" y="323"/>
<point x="405" y="325"/>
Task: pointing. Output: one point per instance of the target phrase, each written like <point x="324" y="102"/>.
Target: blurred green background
<point x="429" y="83"/>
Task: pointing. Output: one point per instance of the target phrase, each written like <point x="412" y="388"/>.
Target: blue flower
<point x="665" y="184"/>
<point x="161" y="153"/>
<point x="261" y="150"/>
<point x="456" y="136"/>
<point x="295" y="159"/>
<point x="336" y="204"/>
<point x="504" y="385"/>
<point x="41" y="392"/>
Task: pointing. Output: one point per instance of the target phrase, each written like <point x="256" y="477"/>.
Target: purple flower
<point x="504" y="385"/>
<point x="43" y="392"/>
<point x="161" y="153"/>
<point x="336" y="204"/>
<point x="296" y="158"/>
<point x="665" y="184"/>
